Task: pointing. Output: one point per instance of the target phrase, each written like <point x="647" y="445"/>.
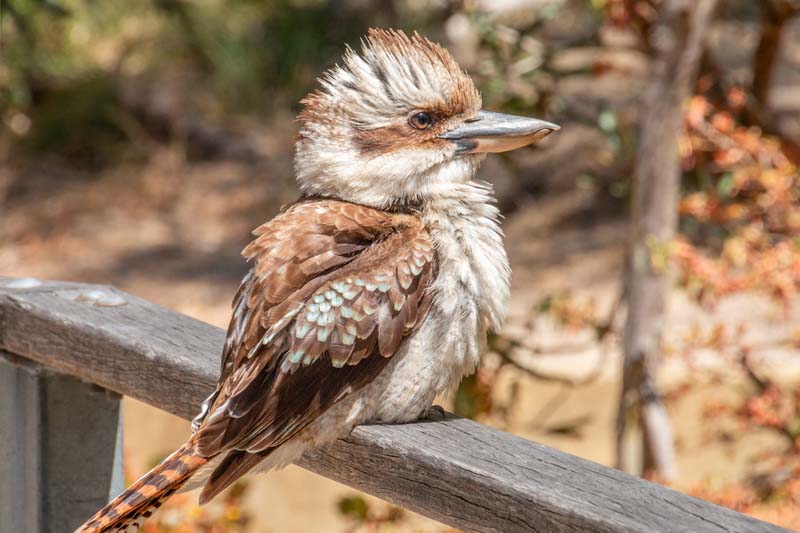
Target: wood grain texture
<point x="453" y="470"/>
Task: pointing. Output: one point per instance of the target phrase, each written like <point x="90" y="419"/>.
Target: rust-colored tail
<point x="129" y="510"/>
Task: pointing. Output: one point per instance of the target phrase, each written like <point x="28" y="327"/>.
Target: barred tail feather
<point x="129" y="510"/>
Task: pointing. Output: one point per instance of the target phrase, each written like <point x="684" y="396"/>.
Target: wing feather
<point x="334" y="289"/>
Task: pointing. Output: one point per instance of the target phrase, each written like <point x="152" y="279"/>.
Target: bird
<point x="372" y="293"/>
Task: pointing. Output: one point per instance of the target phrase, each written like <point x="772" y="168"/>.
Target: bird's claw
<point x="435" y="412"/>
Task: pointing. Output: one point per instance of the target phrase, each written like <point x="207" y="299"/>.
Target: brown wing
<point x="334" y="289"/>
<point x="298" y="246"/>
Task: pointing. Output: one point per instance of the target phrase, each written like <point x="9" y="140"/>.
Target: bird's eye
<point x="421" y="120"/>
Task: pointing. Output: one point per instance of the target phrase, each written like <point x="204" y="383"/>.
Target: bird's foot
<point x="434" y="412"/>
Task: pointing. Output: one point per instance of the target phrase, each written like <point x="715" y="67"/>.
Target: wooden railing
<point x="67" y="351"/>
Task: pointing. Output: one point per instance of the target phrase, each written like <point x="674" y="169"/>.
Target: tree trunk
<point x="643" y="427"/>
<point x="774" y="16"/>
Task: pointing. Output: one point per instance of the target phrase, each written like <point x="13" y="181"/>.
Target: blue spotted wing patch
<point x="369" y="304"/>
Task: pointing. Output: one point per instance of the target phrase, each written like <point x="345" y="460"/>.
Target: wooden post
<point x="60" y="448"/>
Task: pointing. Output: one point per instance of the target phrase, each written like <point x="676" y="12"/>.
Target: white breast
<point x="469" y="298"/>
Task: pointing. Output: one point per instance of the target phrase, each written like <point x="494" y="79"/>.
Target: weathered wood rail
<point x="60" y="438"/>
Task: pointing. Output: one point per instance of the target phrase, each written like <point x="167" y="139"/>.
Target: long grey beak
<point x="497" y="132"/>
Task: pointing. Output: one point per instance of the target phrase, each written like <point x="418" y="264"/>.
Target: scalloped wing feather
<point x="334" y="290"/>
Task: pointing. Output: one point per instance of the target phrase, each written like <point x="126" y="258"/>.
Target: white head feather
<point x="355" y="140"/>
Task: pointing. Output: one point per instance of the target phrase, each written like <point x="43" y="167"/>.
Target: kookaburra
<point x="371" y="294"/>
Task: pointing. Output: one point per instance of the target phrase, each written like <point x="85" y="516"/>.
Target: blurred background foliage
<point x="141" y="140"/>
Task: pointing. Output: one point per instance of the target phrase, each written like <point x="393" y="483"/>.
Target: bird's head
<point x="397" y="122"/>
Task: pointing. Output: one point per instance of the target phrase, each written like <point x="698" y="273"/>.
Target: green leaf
<point x="725" y="185"/>
<point x="607" y="121"/>
<point x="355" y="507"/>
<point x="466" y="402"/>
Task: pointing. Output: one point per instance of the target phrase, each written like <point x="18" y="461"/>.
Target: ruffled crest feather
<point x="393" y="74"/>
